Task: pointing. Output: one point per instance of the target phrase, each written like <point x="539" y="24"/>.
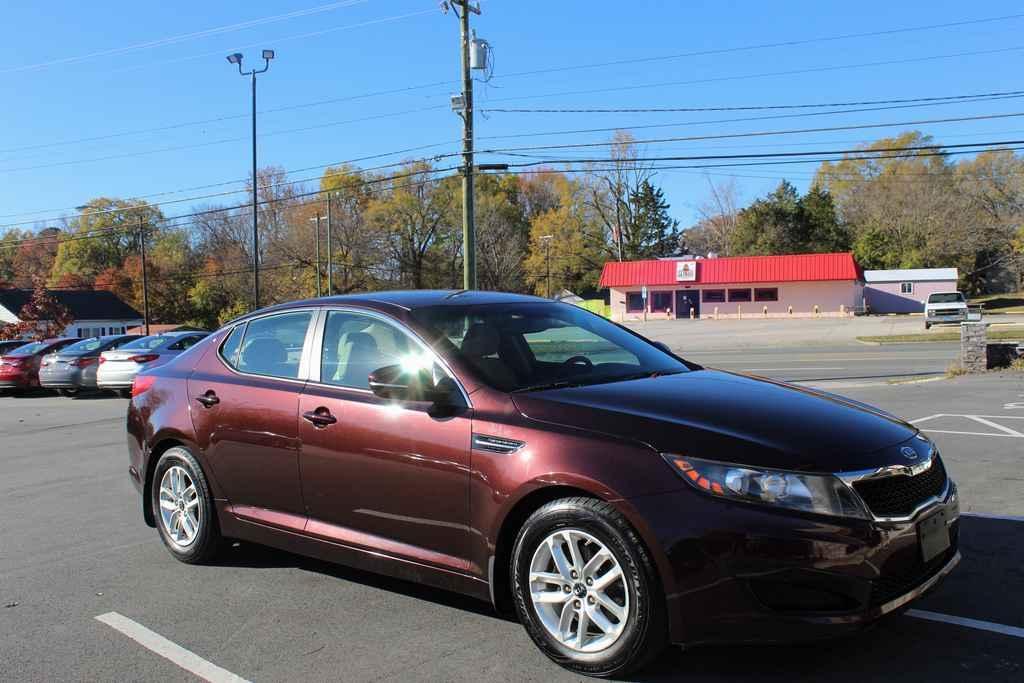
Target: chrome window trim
<point x="850" y="478"/>
<point x="316" y="353"/>
<point x="303" y="372"/>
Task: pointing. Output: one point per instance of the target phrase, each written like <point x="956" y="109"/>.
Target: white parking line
<point x="154" y="642"/>
<point x="980" y="419"/>
<point x="1003" y="629"/>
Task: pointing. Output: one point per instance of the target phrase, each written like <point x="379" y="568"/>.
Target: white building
<point x="96" y="312"/>
<point x="906" y="290"/>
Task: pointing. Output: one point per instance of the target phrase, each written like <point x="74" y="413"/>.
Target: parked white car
<point x="945" y="307"/>
<point x="117" y="369"/>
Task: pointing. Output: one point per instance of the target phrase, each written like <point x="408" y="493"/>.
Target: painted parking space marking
<point x="978" y="624"/>
<point x="156" y="643"/>
<point x="989" y="421"/>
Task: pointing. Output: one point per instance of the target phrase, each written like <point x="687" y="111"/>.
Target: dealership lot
<point x="73" y="547"/>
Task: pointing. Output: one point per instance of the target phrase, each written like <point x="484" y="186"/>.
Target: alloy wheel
<point x="578" y="590"/>
<point x="180" y="510"/>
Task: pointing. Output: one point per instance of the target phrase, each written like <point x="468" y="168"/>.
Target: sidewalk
<point x="717" y="335"/>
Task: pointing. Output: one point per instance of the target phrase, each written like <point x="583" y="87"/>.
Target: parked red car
<point x="530" y="453"/>
<point x="19" y="367"/>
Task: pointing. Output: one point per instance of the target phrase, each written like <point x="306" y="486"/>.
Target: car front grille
<point x="899" y="495"/>
<point x="892" y="584"/>
<point x="946" y="311"/>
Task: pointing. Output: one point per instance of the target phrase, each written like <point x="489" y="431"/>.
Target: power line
<point x="792" y="72"/>
<point x="173" y="40"/>
<point x="104" y="232"/>
<point x="505" y="76"/>
<point x="864" y="126"/>
<point x="760" y="107"/>
<point x="761" y="46"/>
<point x="746" y="119"/>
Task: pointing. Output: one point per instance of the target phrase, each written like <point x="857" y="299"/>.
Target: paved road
<point x="833" y="362"/>
<point x="73" y="546"/>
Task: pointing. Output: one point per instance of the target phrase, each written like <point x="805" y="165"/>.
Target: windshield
<point x="946" y="298"/>
<point x="148" y="342"/>
<point x="85" y="346"/>
<point x="534" y="346"/>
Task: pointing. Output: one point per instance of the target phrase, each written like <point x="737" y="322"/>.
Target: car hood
<point x="728" y="417"/>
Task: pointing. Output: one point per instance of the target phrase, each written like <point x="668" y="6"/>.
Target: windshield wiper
<point x="584" y="381"/>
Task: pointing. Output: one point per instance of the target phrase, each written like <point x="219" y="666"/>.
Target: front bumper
<point x="743" y="573"/>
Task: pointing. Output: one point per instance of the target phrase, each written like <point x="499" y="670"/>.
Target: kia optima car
<point x="616" y="497"/>
<point x="73" y="368"/>
<point x="117" y="368"/>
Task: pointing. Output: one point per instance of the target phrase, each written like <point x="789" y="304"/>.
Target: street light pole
<point x="236" y="58"/>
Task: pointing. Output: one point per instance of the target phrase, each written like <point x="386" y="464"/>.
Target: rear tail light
<point x="145" y="358"/>
<point x="141" y="384"/>
<point x="102" y="360"/>
<point x="84" y="362"/>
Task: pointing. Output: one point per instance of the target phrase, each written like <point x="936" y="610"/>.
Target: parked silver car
<point x="118" y="368"/>
<point x="73" y="368"/>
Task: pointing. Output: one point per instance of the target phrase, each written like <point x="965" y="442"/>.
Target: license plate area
<point x="933" y="535"/>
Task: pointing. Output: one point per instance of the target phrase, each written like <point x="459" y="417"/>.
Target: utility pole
<point x="330" y="248"/>
<point x="236" y="58"/>
<point x="317" y="219"/>
<point x="145" y="275"/>
<point x="547" y="241"/>
<point x="468" y="220"/>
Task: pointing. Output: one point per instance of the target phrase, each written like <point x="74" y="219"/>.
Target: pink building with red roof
<point x="798" y="285"/>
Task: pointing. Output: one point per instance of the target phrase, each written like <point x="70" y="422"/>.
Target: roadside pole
<point x="330" y="249"/>
<point x="317" y="251"/>
<point x="468" y="218"/>
<point x="145" y="274"/>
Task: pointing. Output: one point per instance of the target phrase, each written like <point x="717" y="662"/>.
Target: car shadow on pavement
<point x="262" y="557"/>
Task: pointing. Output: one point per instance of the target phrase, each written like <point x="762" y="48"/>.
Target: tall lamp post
<point x="236" y="58"/>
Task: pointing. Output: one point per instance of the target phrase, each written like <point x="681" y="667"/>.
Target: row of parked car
<point x="71" y="365"/>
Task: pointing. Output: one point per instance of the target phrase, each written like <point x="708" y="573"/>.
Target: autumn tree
<point x="41" y="317"/>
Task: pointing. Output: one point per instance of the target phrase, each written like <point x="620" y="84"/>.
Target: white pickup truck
<point x="945" y="307"/>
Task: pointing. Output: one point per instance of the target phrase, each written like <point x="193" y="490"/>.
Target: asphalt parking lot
<point x="73" y="547"/>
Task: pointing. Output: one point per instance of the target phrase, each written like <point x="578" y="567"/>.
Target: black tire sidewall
<point x="208" y="539"/>
<point x="643" y="632"/>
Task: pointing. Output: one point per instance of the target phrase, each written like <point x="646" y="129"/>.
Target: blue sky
<point x="74" y="71"/>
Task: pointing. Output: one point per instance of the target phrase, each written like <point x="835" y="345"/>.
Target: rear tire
<point x="68" y="392"/>
<point x="625" y="619"/>
<point x="182" y="506"/>
<point x="124" y="393"/>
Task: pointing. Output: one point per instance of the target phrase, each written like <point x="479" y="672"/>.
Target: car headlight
<point x="820" y="494"/>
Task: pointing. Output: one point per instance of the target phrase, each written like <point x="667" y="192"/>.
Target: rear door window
<point x="272" y="346"/>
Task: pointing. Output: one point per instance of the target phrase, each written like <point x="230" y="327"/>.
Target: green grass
<point x="1013" y="333"/>
<point x="1002" y="303"/>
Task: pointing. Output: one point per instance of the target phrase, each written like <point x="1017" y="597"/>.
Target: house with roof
<point x="95" y="312"/>
<point x="906" y="290"/>
<point x="795" y="285"/>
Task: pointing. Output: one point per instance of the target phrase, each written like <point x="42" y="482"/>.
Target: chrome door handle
<point x="209" y="399"/>
<point x="319" y="418"/>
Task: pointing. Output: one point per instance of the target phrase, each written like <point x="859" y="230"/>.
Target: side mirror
<point x="664" y="347"/>
<point x="397" y="383"/>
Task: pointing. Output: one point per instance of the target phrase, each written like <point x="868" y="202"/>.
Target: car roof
<point x="412" y="299"/>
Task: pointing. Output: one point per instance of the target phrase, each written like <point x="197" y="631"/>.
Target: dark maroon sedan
<point x="530" y="453"/>
<point x="19" y="367"/>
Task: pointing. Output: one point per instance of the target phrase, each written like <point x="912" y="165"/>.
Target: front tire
<point x="68" y="393"/>
<point x="183" y="507"/>
<point x="586" y="589"/>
